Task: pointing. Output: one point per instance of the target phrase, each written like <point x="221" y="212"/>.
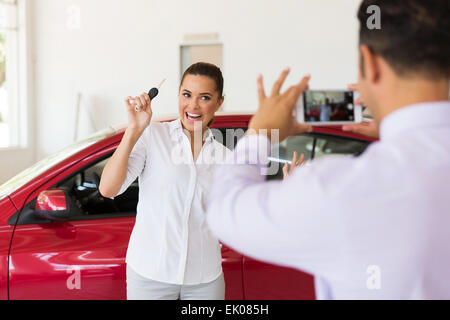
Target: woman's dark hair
<point x="209" y="70"/>
<point x="414" y="35"/>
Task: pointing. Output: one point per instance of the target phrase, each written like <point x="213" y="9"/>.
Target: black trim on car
<point x="28" y="216"/>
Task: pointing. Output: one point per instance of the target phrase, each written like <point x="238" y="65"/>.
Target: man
<point x="371" y="227"/>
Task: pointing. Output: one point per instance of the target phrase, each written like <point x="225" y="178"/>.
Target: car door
<point x="83" y="258"/>
<point x="267" y="281"/>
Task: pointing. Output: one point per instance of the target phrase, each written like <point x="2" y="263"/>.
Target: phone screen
<point x="328" y="106"/>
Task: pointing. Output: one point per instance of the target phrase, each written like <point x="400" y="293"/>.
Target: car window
<point x="313" y="146"/>
<point x="83" y="188"/>
<point x="283" y="152"/>
<point x="329" y="145"/>
<point x="86" y="202"/>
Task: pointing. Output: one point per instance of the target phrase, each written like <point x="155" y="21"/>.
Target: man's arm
<point x="284" y="222"/>
<point x="292" y="222"/>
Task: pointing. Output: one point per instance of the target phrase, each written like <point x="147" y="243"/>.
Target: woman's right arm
<point x="115" y="171"/>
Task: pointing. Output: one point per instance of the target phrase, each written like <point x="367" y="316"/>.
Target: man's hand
<point x="276" y="110"/>
<point x="368" y="129"/>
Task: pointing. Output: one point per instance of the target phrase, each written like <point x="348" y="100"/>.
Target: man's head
<point x="412" y="46"/>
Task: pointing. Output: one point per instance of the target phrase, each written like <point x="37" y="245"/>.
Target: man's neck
<point x="405" y="93"/>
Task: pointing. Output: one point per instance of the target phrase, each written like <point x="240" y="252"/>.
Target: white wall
<point x="125" y="46"/>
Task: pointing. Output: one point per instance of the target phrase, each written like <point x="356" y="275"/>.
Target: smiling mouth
<point x="193" y="117"/>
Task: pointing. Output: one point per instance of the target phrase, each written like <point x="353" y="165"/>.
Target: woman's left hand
<point x="287" y="171"/>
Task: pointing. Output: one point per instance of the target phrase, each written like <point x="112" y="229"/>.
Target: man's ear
<point x="370" y="68"/>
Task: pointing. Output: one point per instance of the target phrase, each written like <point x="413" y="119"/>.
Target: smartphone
<point x="328" y="107"/>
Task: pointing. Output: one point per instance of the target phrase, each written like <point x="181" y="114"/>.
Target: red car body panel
<point x="260" y="277"/>
<point x="86" y="259"/>
<point x="7" y="209"/>
<point x="51" y="261"/>
<point x="232" y="269"/>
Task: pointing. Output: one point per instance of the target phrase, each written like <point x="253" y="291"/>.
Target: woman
<point x="171" y="253"/>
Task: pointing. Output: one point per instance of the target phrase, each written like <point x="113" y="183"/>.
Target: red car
<point x="60" y="239"/>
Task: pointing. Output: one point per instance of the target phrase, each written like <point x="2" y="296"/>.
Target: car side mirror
<point x="54" y="205"/>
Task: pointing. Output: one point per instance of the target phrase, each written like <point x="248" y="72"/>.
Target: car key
<point x="153" y="93"/>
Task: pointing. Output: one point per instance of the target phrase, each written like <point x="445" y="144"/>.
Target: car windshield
<point x="37" y="169"/>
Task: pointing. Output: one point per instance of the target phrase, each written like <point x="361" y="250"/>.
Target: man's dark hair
<point x="414" y="37"/>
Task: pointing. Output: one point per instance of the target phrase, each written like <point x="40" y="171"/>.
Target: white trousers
<point x="140" y="288"/>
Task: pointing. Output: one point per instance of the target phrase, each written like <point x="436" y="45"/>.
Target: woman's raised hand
<point x="139" y="112"/>
<point x="287" y="171"/>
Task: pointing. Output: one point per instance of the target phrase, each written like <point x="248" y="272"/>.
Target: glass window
<point x="331" y="145"/>
<point x="313" y="146"/>
<point x="83" y="188"/>
<point x="4" y="105"/>
<point x="86" y="202"/>
<point x="12" y="75"/>
<point x="283" y="152"/>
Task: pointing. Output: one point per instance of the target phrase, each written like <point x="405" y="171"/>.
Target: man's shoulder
<point x="343" y="173"/>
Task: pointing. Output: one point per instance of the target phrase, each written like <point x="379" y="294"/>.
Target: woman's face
<point x="198" y="101"/>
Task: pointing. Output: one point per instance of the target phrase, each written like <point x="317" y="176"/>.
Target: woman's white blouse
<point x="171" y="241"/>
